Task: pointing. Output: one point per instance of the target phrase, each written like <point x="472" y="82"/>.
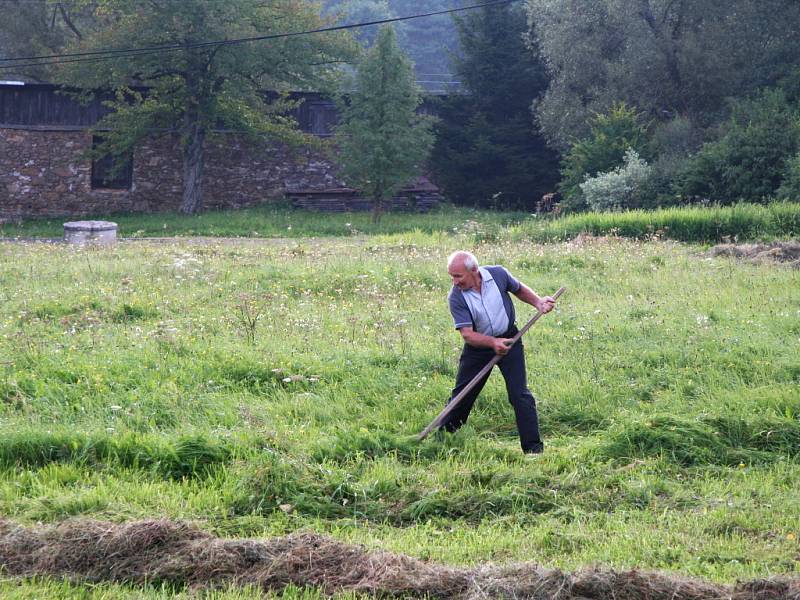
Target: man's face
<point x="463" y="279"/>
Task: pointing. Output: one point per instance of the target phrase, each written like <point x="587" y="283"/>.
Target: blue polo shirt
<point x="490" y="311"/>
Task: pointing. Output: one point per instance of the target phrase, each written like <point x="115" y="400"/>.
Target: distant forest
<point x="429" y="42"/>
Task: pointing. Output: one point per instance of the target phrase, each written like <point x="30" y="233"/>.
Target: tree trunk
<point x="666" y="45"/>
<point x="377" y="208"/>
<point x="193" y="160"/>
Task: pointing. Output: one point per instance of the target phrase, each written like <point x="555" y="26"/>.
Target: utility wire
<point x="97" y="55"/>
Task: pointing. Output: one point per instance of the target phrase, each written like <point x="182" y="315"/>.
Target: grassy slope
<point x="669" y="390"/>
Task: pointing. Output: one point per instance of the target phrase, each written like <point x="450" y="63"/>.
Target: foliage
<point x="611" y="136"/>
<point x="619" y="188"/>
<point x="488" y="150"/>
<point x="671" y="145"/>
<point x="196" y="90"/>
<point x="790" y="185"/>
<point x="750" y="158"/>
<point x="667" y="58"/>
<point x="382" y="141"/>
<point x="656" y="402"/>
<point x="360" y="11"/>
<point x="42" y="27"/>
<point x="429" y="42"/>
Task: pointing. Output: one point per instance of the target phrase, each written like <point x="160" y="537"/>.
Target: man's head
<point x="463" y="269"/>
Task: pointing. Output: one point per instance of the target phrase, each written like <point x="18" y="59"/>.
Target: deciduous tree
<point x="665" y="57"/>
<point x="196" y="89"/>
<point x="41" y="27"/>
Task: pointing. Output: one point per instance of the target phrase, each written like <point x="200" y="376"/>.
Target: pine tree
<point x="488" y="151"/>
<point x="382" y="141"/>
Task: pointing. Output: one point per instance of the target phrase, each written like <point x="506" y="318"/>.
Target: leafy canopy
<point x="668" y="58"/>
<point x="197" y="90"/>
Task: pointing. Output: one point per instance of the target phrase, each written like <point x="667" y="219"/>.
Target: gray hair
<point x="470" y="262"/>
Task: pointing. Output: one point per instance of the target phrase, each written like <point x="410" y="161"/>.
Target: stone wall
<point x="43" y="173"/>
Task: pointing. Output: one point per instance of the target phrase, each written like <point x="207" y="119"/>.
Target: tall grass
<point x="667" y="381"/>
<point x="740" y="222"/>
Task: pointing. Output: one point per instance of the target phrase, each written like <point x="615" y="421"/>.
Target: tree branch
<point x="328" y="62"/>
<point x="68" y="21"/>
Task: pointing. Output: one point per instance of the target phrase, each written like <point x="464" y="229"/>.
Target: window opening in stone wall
<point x="111" y="172"/>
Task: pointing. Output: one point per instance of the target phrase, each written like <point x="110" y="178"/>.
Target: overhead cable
<point x="97" y="55"/>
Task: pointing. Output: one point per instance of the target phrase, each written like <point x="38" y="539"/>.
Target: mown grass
<point x="264" y="387"/>
<point x="43" y="588"/>
<point x="740" y="222"/>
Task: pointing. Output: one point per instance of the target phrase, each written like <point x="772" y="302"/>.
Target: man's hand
<point x="502" y="346"/>
<point x="546" y="304"/>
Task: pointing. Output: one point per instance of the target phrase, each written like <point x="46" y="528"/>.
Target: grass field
<point x="778" y="220"/>
<point x="263" y="387"/>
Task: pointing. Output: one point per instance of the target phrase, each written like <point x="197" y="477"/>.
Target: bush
<point x="671" y="146"/>
<point x="619" y="188"/>
<point x="790" y="186"/>
<point x="612" y="135"/>
<point x="749" y="160"/>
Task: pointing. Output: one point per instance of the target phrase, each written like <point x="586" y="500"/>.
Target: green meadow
<point x="260" y="387"/>
<point x="742" y="221"/>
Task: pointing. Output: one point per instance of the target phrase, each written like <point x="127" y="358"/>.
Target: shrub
<point x="790" y="186"/>
<point x="749" y="160"/>
<point x="612" y="135"/>
<point x="671" y="147"/>
<point x="619" y="188"/>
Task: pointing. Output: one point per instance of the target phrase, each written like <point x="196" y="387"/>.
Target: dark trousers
<point x="512" y="366"/>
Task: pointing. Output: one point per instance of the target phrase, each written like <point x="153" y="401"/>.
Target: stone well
<point x="103" y="233"/>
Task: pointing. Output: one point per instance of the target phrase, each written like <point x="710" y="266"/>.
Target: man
<point x="484" y="315"/>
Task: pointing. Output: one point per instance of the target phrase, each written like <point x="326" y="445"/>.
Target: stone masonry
<point x="44" y="173"/>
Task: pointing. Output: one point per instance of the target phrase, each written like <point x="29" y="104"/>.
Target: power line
<point x="97" y="55"/>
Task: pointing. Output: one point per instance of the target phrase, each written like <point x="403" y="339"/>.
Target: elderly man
<point x="484" y="315"/>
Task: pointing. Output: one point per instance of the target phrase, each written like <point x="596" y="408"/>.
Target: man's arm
<point x="478" y="340"/>
<point x="527" y="295"/>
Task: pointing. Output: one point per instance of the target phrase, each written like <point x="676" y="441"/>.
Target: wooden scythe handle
<point x="455" y="401"/>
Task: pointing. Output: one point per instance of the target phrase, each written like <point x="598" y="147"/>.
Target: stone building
<point x="44" y="171"/>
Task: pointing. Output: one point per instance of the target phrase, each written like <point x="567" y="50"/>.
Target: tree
<point x="429" y="42"/>
<point x="41" y="27"/>
<point x="361" y="11"/>
<point x="488" y="149"/>
<point x="382" y="140"/>
<point x="610" y="138"/>
<point x="752" y="158"/>
<point x="195" y="90"/>
<point x="668" y="58"/>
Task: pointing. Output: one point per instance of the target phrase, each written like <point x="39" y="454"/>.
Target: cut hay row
<point x="781" y="252"/>
<point x="162" y="551"/>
